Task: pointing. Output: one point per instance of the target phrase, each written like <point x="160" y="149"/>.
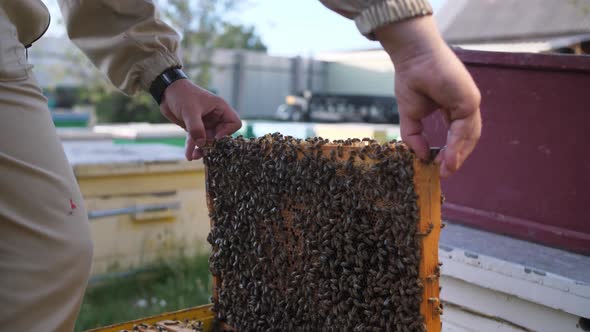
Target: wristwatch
<point x="164" y="80"/>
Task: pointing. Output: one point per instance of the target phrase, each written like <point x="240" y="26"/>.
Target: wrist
<point x="409" y="39"/>
<point x="166" y="79"/>
<point x="176" y="88"/>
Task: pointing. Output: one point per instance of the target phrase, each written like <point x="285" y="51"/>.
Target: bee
<point x="307" y="226"/>
<point x="427" y="231"/>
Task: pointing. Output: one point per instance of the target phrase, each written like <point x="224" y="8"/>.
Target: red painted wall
<point x="529" y="177"/>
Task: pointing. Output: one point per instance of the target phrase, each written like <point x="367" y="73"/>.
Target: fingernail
<point x="200" y="142"/>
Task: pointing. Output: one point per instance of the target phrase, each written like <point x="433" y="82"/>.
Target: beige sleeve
<point x="371" y="14"/>
<point x="125" y="39"/>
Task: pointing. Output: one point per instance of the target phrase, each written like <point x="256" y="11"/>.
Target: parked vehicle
<point x="323" y="107"/>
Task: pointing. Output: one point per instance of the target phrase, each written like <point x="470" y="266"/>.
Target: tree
<point x="239" y="37"/>
<point x="204" y="28"/>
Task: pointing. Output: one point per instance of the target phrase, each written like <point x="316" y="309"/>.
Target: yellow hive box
<point x="142" y="201"/>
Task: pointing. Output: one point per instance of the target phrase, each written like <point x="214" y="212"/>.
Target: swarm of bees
<point x="311" y="235"/>
<point x="169" y="326"/>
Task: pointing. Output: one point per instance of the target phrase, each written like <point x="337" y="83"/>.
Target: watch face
<point x="164" y="80"/>
<point x="166" y="77"/>
<point x="172" y="75"/>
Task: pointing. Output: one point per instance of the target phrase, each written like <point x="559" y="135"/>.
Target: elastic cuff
<point x="154" y="66"/>
<point x="390" y="11"/>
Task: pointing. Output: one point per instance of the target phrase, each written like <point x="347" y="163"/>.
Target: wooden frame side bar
<point x="427" y="186"/>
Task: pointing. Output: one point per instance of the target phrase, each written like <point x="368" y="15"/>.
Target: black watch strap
<point x="163" y="80"/>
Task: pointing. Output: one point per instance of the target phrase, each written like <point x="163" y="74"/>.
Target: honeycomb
<point x="312" y="235"/>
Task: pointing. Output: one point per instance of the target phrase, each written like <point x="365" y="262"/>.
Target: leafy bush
<point x="117" y="107"/>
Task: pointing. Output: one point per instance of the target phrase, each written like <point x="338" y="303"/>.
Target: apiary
<point x="319" y="235"/>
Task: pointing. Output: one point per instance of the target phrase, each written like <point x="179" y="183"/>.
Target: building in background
<point x="254" y="83"/>
<point x="368" y="72"/>
<point x="517" y="25"/>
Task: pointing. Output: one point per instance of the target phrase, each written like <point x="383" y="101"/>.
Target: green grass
<point x="170" y="286"/>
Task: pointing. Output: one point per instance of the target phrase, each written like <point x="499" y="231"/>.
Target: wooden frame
<point x="202" y="313"/>
<point x="427" y="187"/>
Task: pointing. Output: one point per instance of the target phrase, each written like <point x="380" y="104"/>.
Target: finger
<point x="224" y="129"/>
<point x="230" y="121"/>
<point x="447" y="121"/>
<point x="197" y="154"/>
<point x="190" y="146"/>
<point x="462" y="138"/>
<point x="196" y="128"/>
<point x="411" y="131"/>
<point x="439" y="157"/>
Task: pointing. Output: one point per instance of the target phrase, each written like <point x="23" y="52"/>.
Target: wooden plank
<point x="427" y="186"/>
<point x="202" y="313"/>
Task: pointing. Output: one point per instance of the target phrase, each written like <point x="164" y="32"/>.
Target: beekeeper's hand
<point x="429" y="77"/>
<point x="202" y="114"/>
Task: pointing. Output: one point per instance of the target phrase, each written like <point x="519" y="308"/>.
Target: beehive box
<point x="319" y="235"/>
<point x="141" y="203"/>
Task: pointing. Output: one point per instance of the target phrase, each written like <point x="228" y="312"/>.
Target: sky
<point x="305" y="27"/>
<point x="289" y="27"/>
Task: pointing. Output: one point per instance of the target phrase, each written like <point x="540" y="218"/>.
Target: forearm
<point x="408" y="39"/>
<point x="126" y="40"/>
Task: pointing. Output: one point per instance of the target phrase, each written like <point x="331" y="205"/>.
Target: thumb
<point x="462" y="137"/>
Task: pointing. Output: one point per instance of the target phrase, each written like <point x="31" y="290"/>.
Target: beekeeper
<point x="45" y="243"/>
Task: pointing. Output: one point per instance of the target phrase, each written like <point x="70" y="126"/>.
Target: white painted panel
<point x="455" y="319"/>
<point x="505" y="307"/>
<point x="540" y="287"/>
